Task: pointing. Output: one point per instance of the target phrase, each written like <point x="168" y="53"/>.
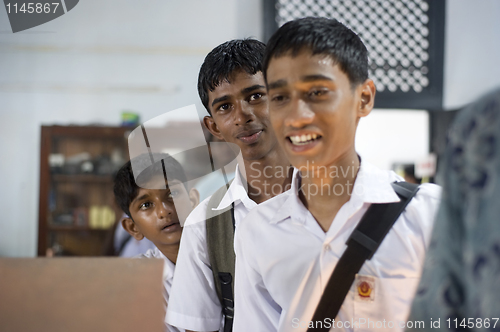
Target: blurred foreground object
<point x="460" y="284"/>
<point x="81" y="294"/>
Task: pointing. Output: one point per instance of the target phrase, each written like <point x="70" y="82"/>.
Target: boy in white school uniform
<point x="231" y="87"/>
<point x="316" y="72"/>
<point x="151" y="212"/>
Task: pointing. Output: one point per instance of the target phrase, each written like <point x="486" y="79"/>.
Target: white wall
<point x="88" y="66"/>
<point x="472" y="50"/>
<point x="388" y="136"/>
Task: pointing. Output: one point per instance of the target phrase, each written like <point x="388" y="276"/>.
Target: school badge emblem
<point x="365" y="288"/>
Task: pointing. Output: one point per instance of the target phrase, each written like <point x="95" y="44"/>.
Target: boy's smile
<point x="313" y="108"/>
<point x="240" y="114"/>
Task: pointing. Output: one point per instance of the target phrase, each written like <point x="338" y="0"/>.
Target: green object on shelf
<point x="130" y="119"/>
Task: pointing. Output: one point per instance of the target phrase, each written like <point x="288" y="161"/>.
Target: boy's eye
<point x="145" y="205"/>
<point x="278" y="98"/>
<point x="317" y="92"/>
<point x="223" y="107"/>
<point x="256" y="96"/>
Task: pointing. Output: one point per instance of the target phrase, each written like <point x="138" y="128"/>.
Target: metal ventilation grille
<point x="395" y="32"/>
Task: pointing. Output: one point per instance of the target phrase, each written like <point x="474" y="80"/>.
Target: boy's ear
<point x="129" y="225"/>
<point x="209" y="122"/>
<point x="194" y="197"/>
<point x="367" y="100"/>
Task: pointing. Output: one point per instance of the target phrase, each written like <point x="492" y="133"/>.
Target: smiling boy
<point x="156" y="209"/>
<point x="316" y="71"/>
<point x="232" y="89"/>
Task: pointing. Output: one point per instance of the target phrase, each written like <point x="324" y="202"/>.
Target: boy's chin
<point x="314" y="168"/>
<point x="172" y="237"/>
<point x="302" y="163"/>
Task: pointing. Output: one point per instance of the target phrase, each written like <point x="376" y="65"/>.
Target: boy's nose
<point x="299" y="114"/>
<point x="165" y="209"/>
<point x="243" y="113"/>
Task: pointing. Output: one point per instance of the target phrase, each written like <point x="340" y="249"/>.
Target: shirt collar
<point x="292" y="204"/>
<point x="236" y="193"/>
<point x="168" y="266"/>
<point x="372" y="185"/>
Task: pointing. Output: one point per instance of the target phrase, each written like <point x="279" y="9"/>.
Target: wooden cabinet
<point x="76" y="206"/>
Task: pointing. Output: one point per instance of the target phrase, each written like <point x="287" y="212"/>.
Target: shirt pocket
<point x="382" y="304"/>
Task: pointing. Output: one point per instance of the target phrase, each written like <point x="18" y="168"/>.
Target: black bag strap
<point x="220" y="244"/>
<point x="361" y="245"/>
<point x="227" y="286"/>
<point x="226" y="281"/>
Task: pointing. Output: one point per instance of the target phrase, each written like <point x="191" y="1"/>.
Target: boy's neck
<point x="170" y="251"/>
<point x="325" y="190"/>
<point x="267" y="177"/>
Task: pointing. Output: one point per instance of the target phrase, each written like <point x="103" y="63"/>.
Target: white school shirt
<point x="168" y="277"/>
<point x="282" y="251"/>
<point x="194" y="304"/>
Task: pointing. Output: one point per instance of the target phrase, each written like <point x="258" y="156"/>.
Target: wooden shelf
<point x="71" y="228"/>
<point x="82" y="178"/>
<point x="69" y="192"/>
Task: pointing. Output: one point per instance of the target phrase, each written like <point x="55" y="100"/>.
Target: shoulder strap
<point x="361" y="245"/>
<point x="220" y="243"/>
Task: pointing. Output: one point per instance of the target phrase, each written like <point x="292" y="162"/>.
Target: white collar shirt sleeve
<point x="194" y="304"/>
<point x="284" y="259"/>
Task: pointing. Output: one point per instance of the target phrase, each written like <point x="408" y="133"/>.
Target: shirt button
<point x="326" y="247"/>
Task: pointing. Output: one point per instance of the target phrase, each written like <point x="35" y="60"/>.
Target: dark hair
<point x="321" y="36"/>
<point x="226" y="59"/>
<point x="125" y="185"/>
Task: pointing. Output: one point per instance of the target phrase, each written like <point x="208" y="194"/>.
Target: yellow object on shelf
<point x="102" y="217"/>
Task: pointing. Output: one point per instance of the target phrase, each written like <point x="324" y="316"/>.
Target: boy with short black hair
<point x="316" y="72"/>
<point x="151" y="210"/>
<point x="231" y="87"/>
